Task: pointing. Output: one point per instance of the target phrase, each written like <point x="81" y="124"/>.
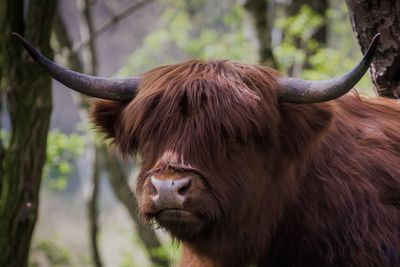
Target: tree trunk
<point x="1" y="115"/>
<point x="29" y="106"/>
<point x="261" y="14"/>
<point x="368" y="18"/>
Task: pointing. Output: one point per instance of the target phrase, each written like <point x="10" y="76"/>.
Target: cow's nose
<point x="170" y="193"/>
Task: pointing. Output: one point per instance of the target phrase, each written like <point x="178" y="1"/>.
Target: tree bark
<point x="383" y="16"/>
<point x="1" y="116"/>
<point x="261" y="14"/>
<point x="29" y="106"/>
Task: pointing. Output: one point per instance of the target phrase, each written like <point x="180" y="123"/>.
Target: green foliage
<point x="345" y="46"/>
<point x="303" y="25"/>
<point x="172" y="251"/>
<point x="205" y="30"/>
<point x="127" y="259"/>
<point x="62" y="151"/>
<point x="297" y="43"/>
<point x="193" y="29"/>
<point x="51" y="253"/>
<point x="303" y="56"/>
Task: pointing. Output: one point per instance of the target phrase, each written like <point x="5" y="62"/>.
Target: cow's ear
<point x="303" y="126"/>
<point x="106" y="116"/>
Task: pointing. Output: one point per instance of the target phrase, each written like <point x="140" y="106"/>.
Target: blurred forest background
<point x="87" y="210"/>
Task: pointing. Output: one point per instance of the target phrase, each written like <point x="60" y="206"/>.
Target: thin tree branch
<point x="92" y="200"/>
<point x="90" y="52"/>
<point x="76" y="64"/>
<point x="65" y="42"/>
<point x="93" y="211"/>
<point x="106" y="9"/>
<point x="112" y="22"/>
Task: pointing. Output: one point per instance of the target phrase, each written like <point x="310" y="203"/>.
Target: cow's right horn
<point x="113" y="89"/>
<point x="294" y="90"/>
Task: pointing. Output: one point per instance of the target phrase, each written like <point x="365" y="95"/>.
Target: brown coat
<point x="285" y="184"/>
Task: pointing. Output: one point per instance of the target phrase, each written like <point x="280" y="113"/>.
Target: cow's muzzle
<point x="170" y="193"/>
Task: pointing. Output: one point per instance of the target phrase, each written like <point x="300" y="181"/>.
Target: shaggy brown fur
<point x="282" y="184"/>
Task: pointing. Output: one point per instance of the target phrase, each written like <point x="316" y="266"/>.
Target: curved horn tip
<point x="35" y="55"/>
<point x="14" y="34"/>
<point x="112" y="89"/>
<point x="19" y="37"/>
<point x="374" y="43"/>
<point x="376" y="38"/>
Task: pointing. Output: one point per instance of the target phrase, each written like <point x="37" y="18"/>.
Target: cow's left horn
<point x="294" y="90"/>
<point x="113" y="89"/>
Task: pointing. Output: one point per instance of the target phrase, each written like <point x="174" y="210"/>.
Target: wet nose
<point x="170" y="193"/>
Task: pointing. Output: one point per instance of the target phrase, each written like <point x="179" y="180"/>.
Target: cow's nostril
<point x="152" y="189"/>
<point x="184" y="188"/>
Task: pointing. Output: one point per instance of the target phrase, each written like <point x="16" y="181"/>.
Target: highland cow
<point x="246" y="167"/>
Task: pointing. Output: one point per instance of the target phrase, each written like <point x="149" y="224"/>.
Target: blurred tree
<point x="303" y="41"/>
<point x="118" y="177"/>
<point x="261" y="12"/>
<point x="91" y="67"/>
<point x="314" y="35"/>
<point x="51" y="254"/>
<point x="298" y="46"/>
<point x="198" y="29"/>
<point x="320" y="8"/>
<point x="368" y="18"/>
<point x="105" y="159"/>
<point x="323" y="60"/>
<point x="29" y="106"/>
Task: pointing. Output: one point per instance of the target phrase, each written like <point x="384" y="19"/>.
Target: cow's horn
<point x="113" y="89"/>
<point x="294" y="90"/>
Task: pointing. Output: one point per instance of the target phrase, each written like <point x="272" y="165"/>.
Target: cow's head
<point x="214" y="138"/>
<point x="204" y="132"/>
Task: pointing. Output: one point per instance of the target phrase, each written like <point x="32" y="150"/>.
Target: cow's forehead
<point x="195" y="105"/>
<point x="213" y="87"/>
